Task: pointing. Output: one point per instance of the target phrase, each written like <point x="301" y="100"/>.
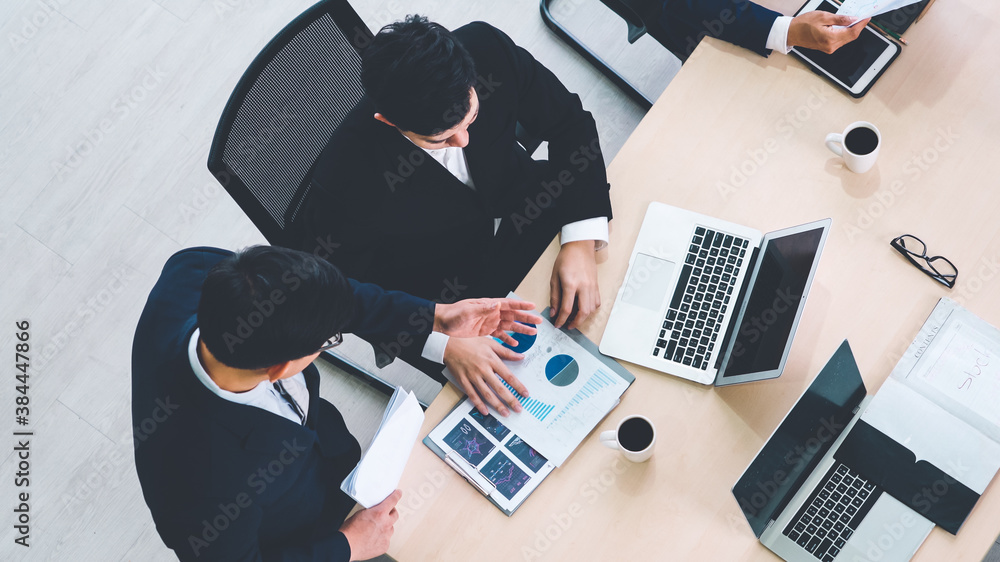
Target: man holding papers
<point x="238" y="456"/>
<point x="754" y="27"/>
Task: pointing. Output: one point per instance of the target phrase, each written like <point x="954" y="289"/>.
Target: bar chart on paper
<point x="536" y="408"/>
<point x="598" y="381"/>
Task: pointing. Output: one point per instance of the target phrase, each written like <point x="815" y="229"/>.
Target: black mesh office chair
<point x="279" y="118"/>
<point x="642" y="17"/>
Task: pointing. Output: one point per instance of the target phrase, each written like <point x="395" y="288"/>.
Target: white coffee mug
<point x="637" y="435"/>
<point x="856" y="145"/>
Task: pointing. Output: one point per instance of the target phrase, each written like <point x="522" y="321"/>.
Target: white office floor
<point x="107" y="108"/>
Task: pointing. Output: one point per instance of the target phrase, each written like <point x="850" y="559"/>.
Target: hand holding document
<point x="863" y="9"/>
<point x="381" y="466"/>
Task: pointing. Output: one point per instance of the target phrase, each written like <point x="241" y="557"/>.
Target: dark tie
<point x="291" y="401"/>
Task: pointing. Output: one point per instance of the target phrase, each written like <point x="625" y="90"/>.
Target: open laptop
<point x="804" y="504"/>
<point x="693" y="279"/>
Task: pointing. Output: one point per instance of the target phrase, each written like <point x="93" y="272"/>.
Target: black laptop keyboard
<point x="691" y="328"/>
<point x="833" y="512"/>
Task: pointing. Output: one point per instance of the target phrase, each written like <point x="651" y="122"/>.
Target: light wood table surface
<point x="740" y="137"/>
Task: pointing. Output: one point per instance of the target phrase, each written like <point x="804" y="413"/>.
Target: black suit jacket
<point x="226" y="481"/>
<point x="402" y="221"/>
<point x="739" y="22"/>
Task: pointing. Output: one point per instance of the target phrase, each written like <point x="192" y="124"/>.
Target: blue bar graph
<point x="593" y="386"/>
<point x="534" y="407"/>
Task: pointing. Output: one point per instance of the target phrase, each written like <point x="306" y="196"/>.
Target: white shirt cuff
<point x="595" y="229"/>
<point x="434" y="348"/>
<point x="777" y="39"/>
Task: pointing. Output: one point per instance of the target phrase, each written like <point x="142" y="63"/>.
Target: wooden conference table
<point x="741" y="137"/>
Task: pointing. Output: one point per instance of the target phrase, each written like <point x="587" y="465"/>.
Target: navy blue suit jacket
<point x="740" y="22"/>
<point x="226" y="481"/>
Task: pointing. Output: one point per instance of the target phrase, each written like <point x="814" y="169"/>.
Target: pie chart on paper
<point x="524" y="341"/>
<point x="562" y="370"/>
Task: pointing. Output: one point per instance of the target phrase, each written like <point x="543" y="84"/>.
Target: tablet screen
<point x="851" y="61"/>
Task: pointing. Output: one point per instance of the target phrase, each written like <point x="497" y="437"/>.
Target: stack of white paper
<point x="862" y="9"/>
<point x="381" y="466"/>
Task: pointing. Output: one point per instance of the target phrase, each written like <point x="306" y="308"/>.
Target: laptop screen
<point x="801" y="440"/>
<point x="764" y="331"/>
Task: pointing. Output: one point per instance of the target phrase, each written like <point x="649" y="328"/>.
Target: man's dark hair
<point x="419" y="75"/>
<point x="266" y="305"/>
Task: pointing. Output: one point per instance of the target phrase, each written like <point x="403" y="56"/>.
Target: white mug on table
<point x="858" y="145"/>
<point x="636" y="442"/>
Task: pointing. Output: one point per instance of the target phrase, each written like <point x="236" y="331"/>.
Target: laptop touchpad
<point x="648" y="282"/>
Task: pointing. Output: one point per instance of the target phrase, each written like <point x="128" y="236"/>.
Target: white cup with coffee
<point x="858" y="145"/>
<point x="635" y="437"/>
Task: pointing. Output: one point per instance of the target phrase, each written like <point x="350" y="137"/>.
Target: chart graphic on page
<point x="569" y="391"/>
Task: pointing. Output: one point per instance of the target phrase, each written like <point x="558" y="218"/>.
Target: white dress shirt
<point x="263" y="396"/>
<point x="777" y="39"/>
<point x="453" y="159"/>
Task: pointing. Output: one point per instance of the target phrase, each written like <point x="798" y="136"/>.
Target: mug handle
<point x="610" y="439"/>
<point x="834" y="142"/>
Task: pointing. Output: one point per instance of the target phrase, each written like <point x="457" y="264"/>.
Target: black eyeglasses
<point x="333" y="342"/>
<point x="914" y="250"/>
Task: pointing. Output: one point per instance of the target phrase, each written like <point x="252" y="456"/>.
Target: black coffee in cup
<point x="635" y="434"/>
<point x="861" y="141"/>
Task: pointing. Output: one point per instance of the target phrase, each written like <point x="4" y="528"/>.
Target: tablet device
<point x="855" y="66"/>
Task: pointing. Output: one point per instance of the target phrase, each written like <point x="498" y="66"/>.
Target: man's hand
<point x="574" y="283"/>
<point x="486" y="317"/>
<point x="476" y="362"/>
<point x="369" y="530"/>
<point x="816" y="30"/>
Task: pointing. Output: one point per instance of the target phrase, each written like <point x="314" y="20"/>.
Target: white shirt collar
<point x="262" y="396"/>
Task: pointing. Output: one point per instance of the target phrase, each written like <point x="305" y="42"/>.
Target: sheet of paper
<point x="964" y="365"/>
<point x="862" y="9"/>
<point x="381" y="466"/>
<point x="570" y="392"/>
<point x="934" y="435"/>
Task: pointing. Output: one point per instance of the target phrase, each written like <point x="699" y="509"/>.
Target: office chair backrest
<point x="283" y="111"/>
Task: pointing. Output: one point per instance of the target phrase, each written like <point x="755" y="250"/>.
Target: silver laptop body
<point x="781" y="493"/>
<point x="687" y="286"/>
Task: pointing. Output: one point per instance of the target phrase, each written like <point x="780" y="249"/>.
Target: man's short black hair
<point x="419" y="76"/>
<point x="266" y="305"/>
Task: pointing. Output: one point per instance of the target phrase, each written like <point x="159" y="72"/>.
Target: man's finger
<point x="514" y="304"/>
<point x="473" y="394"/>
<point x="390" y="502"/>
<point x="506" y="353"/>
<point x="523" y="327"/>
<point x="565" y="308"/>
<point x="486" y="392"/>
<point x="525" y="317"/>
<point x="505" y="338"/>
<point x="554" y="288"/>
<point x="504" y="373"/>
<point x="502" y="391"/>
